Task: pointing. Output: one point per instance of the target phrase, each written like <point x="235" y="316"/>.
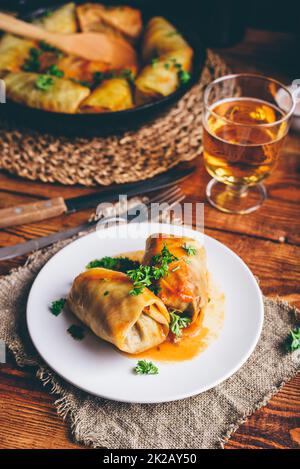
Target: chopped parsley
<point x="77" y="332"/>
<point x="106" y="293"/>
<point x="184" y="76"/>
<point x="32" y="63"/>
<point x="178" y="322"/>
<point x="154" y="61"/>
<point x="146" y="276"/>
<point x="126" y="73"/>
<point x="190" y="250"/>
<point x="57" y="306"/>
<point x="120" y="264"/>
<point x="142" y="277"/>
<point x="44" y="82"/>
<point x="55" y="71"/>
<point x="293" y="340"/>
<point x="45" y="47"/>
<point x="145" y="368"/>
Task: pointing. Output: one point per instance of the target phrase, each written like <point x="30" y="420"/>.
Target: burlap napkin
<point x="204" y="421"/>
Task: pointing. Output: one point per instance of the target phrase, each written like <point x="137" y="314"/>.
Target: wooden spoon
<point x="91" y="46"/>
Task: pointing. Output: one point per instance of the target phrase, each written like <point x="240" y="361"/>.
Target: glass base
<point x="233" y="199"/>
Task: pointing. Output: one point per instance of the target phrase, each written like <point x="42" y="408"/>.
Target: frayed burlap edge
<point x="65" y="405"/>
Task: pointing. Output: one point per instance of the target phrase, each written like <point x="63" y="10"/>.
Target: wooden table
<point x="268" y="240"/>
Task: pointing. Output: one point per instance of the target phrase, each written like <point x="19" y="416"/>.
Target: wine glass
<point x="246" y="118"/>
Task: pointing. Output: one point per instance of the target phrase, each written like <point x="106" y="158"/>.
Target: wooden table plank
<point x="268" y="241"/>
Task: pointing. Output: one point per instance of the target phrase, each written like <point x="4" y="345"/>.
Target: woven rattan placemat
<point x="134" y="155"/>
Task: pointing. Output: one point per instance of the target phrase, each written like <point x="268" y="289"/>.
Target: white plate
<point x="96" y="367"/>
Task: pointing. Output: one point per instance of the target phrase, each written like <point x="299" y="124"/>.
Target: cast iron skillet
<point x="109" y="122"/>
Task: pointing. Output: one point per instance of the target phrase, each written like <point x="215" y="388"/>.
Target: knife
<point x="43" y="209"/>
<point x="20" y="249"/>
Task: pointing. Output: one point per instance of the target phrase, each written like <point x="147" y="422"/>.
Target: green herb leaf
<point x="128" y="74"/>
<point x="293" y="340"/>
<point x="167" y="66"/>
<point x="190" y="250"/>
<point x="184" y="77"/>
<point x="120" y="264"/>
<point x="106" y="293"/>
<point x="55" y="71"/>
<point x="48" y="48"/>
<point x="178" y="322"/>
<point x="44" y="82"/>
<point x="32" y="63"/>
<point x="145" y="368"/>
<point x="146" y="276"/>
<point x="77" y="332"/>
<point x="141" y="277"/>
<point x="154" y="61"/>
<point x="57" y="306"/>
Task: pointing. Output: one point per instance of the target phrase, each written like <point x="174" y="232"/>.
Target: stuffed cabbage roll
<point x="112" y="95"/>
<point x="45" y="92"/>
<point x="184" y="288"/>
<point x="101" y="299"/>
<point x="13" y="51"/>
<point x="160" y="38"/>
<point x="163" y="76"/>
<point x="122" y="19"/>
<point x="61" y="20"/>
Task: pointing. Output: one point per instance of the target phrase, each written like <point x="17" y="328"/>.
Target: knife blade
<point x="41" y="210"/>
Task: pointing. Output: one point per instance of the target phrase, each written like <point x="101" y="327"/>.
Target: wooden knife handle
<point x="28" y="213"/>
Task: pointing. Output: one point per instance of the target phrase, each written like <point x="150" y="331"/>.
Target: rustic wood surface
<point x="268" y="240"/>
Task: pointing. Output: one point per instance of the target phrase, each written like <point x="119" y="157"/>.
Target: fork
<point x="171" y="196"/>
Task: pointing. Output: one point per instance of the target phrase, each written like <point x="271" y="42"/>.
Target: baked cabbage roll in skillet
<point x="61" y="96"/>
<point x="160" y="38"/>
<point x="13" y="52"/>
<point x="112" y="95"/>
<point x="60" y="20"/>
<point x="163" y="76"/>
<point x="101" y="299"/>
<point x="119" y="19"/>
<point x="185" y="286"/>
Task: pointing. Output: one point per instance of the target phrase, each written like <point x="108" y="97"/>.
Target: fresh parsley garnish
<point x="32" y="63"/>
<point x="55" y="71"/>
<point x="46" y="14"/>
<point x="57" y="306"/>
<point x="44" y="82"/>
<point x="184" y="76"/>
<point x="145" y="368"/>
<point x="293" y="341"/>
<point x="154" y="61"/>
<point x="48" y="48"/>
<point x="147" y="276"/>
<point x="178" y="322"/>
<point x="106" y="293"/>
<point x="126" y="73"/>
<point x="190" y="250"/>
<point x="120" y="264"/>
<point x="77" y="332"/>
<point x="141" y="277"/>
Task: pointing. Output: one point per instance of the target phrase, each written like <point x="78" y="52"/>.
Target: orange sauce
<point x="196" y="338"/>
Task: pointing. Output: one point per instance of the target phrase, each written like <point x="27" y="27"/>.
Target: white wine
<point x="242" y="138"/>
